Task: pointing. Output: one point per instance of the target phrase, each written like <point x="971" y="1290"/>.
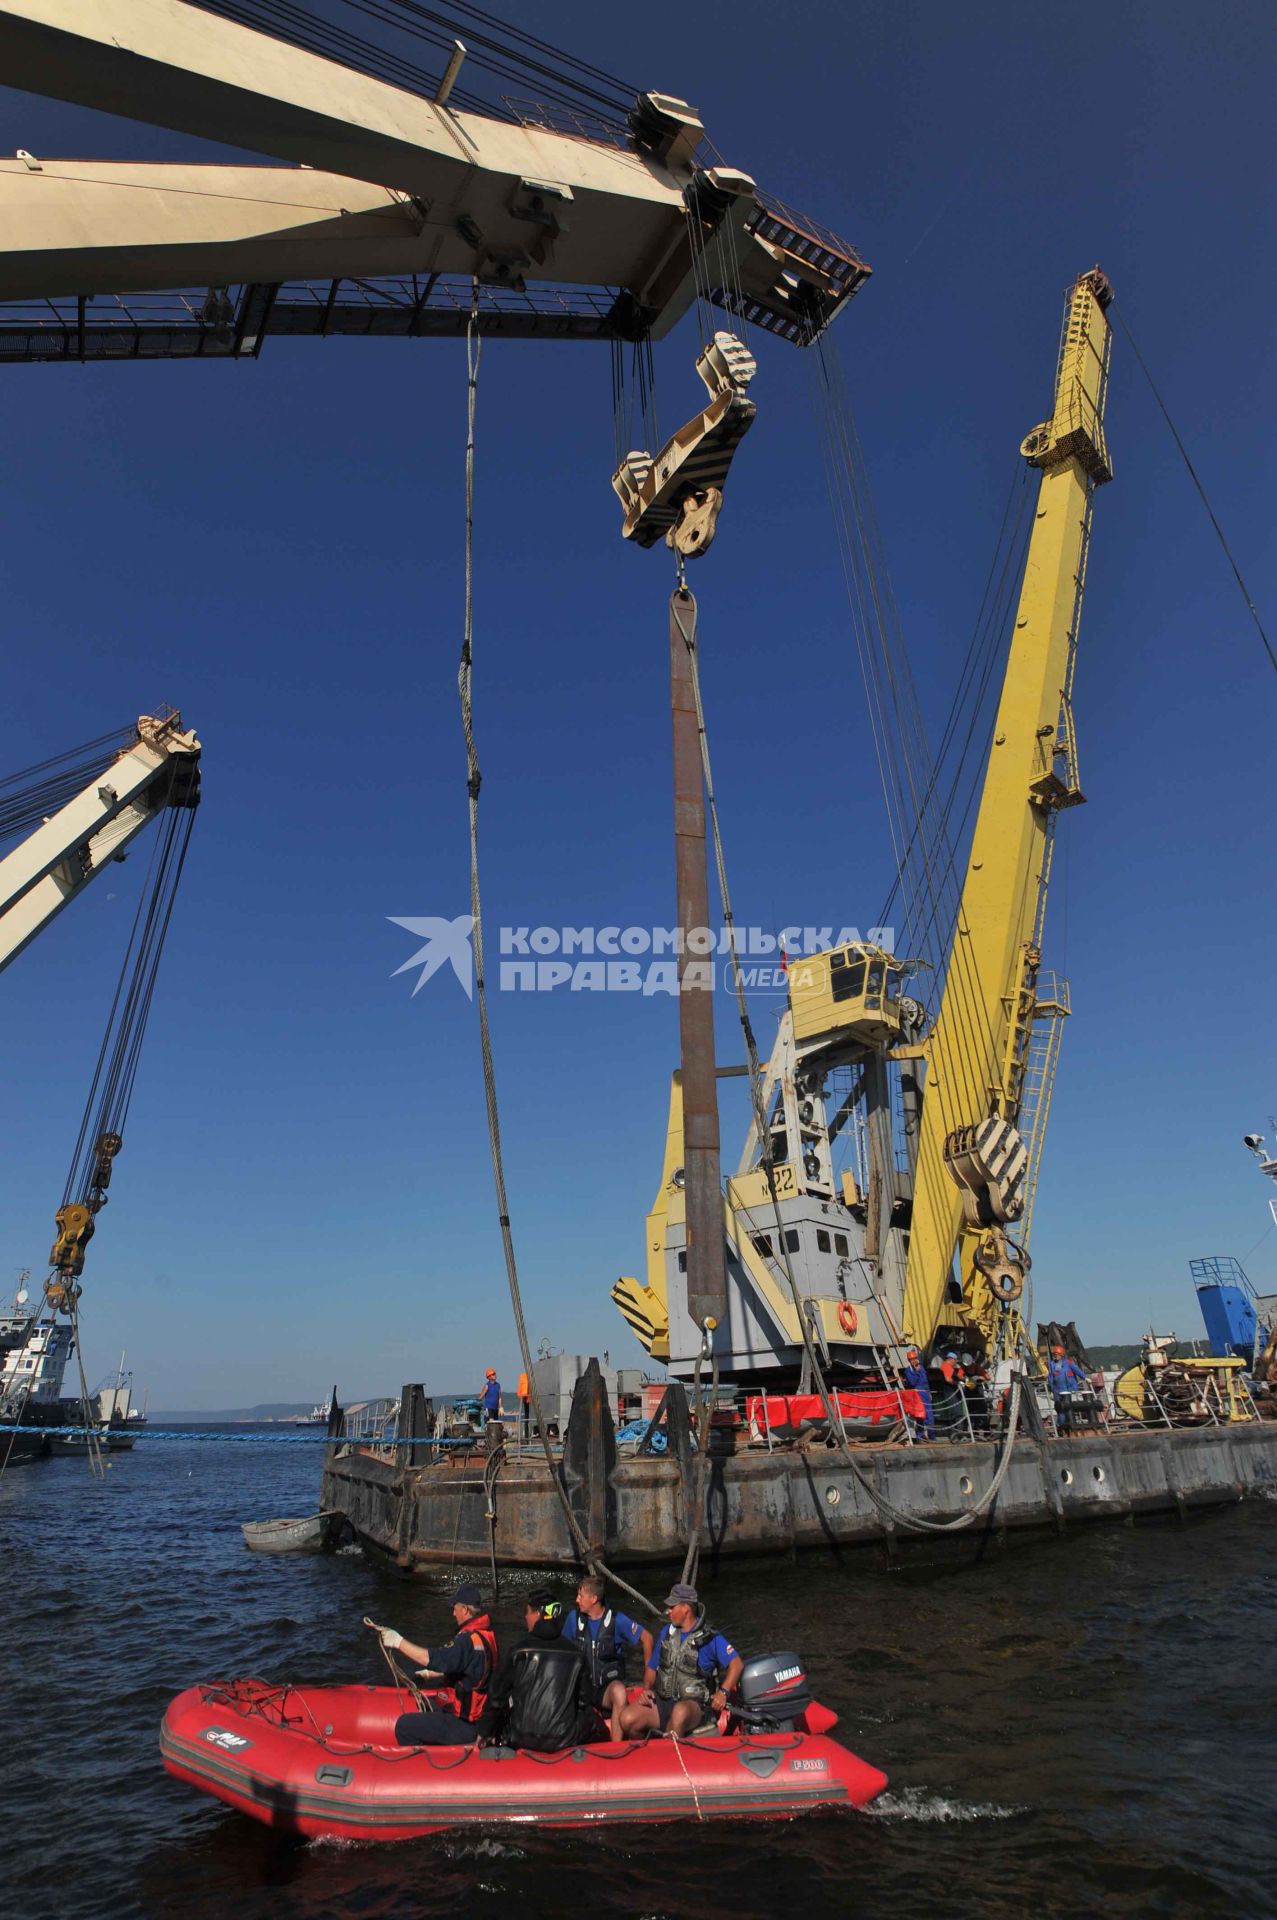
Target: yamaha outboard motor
<point x="773" y="1693"/>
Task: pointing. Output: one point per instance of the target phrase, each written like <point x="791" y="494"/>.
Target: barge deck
<point x="426" y="1513"/>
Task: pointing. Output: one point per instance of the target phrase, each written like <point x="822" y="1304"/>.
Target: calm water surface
<point x="1069" y="1726"/>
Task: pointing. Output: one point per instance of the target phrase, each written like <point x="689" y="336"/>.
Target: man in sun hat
<point x="691" y="1672"/>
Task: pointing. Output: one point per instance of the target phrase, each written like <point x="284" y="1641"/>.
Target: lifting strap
<point x="474" y="780"/>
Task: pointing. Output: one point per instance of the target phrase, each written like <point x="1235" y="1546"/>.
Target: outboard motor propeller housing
<point x="774" y="1692"/>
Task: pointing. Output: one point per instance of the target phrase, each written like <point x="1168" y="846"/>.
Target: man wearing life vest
<point x="690" y="1674"/>
<point x="602" y="1634"/>
<point x="467" y="1661"/>
<point x="540" y="1697"/>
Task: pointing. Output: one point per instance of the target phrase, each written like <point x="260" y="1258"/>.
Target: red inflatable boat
<point x="321" y="1761"/>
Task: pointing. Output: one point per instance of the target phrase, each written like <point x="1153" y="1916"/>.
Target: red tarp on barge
<point x="786" y="1414"/>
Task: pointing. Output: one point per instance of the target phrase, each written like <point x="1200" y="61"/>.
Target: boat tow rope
<point x="474" y="780"/>
<point x="93" y="1443"/>
<point x="677" y="1741"/>
<point x="702" y="1414"/>
<point x="681" y="600"/>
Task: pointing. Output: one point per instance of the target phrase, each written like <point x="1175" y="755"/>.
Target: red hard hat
<point x="1059" y="1350"/>
<point x="491" y="1374"/>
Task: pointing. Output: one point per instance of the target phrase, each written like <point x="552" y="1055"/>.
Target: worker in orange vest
<point x="525" y="1408"/>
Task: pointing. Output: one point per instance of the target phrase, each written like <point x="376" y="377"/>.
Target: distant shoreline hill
<point x="284" y="1413"/>
<point x="1119" y="1356"/>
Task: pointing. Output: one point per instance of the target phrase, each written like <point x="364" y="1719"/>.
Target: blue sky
<point x="304" y="1194"/>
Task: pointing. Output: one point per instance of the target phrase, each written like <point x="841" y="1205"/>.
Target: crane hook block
<point x="988" y="1162"/>
<point x="75" y="1230"/>
<point x="676" y="494"/>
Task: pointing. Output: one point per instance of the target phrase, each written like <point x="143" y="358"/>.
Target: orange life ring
<point x="847" y="1317"/>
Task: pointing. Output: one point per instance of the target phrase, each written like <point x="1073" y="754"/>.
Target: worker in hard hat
<point x="950" y="1408"/>
<point x="1065" y="1378"/>
<point x="915" y="1378"/>
<point x="490" y="1398"/>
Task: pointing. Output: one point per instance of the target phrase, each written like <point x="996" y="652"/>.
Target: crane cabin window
<point x="840" y="1244"/>
<point x="846" y="977"/>
<point x="822" y="1240"/>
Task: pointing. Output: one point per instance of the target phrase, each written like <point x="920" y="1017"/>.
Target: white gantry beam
<point x="380" y="182"/>
<point x="57" y="862"/>
<point x="613" y="219"/>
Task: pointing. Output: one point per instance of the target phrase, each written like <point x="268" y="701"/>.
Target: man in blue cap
<point x="690" y="1674"/>
<point x="468" y="1661"/>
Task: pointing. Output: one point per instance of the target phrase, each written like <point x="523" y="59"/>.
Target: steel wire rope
<point x="91" y="1104"/>
<point x="949" y="934"/>
<point x="938" y="860"/>
<point x="977" y="646"/>
<point x="544" y="46"/>
<point x="893" y="797"/>
<point x="703" y="1415"/>
<point x="938" y="882"/>
<point x="111" y="1090"/>
<point x="103" y="742"/>
<point x="414" y="11"/>
<point x="474" y="781"/>
<point x="842" y="468"/>
<point x="856" y="570"/>
<point x="877" y="731"/>
<point x="885" y="1506"/>
<point x="977" y="707"/>
<point x="48" y="786"/>
<point x="1196" y="480"/>
<point x="281" y="20"/>
<point x="505" y="62"/>
<point x="92" y="1442"/>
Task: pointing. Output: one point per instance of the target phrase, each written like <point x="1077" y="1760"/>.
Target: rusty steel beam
<point x="703" y="1197"/>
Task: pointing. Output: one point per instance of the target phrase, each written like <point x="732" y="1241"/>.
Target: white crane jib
<point x="380" y="182"/>
<point x="57" y="862"/>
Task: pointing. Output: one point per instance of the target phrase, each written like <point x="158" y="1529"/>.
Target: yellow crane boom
<point x="969" y="1178"/>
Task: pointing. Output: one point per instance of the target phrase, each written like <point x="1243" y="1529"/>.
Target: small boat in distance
<point x="315" y="1533"/>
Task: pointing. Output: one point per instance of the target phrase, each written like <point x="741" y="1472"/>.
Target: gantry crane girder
<point x="389" y="208"/>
